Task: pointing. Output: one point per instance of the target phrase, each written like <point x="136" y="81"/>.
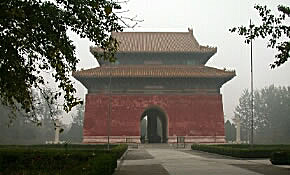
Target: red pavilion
<point x="158" y="89"/>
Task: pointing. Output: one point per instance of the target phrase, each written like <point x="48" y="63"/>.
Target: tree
<point x="275" y="28"/>
<point x="276" y="112"/>
<point x="75" y="133"/>
<point x="47" y="112"/>
<point x="47" y="108"/>
<point x="23" y="129"/>
<point x="271" y="114"/>
<point x="230" y="131"/>
<point x="243" y="112"/>
<point x="33" y="39"/>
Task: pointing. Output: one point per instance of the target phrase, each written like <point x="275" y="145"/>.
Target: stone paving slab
<point x="181" y="163"/>
<point x="264" y="169"/>
<point x="138" y="154"/>
<point x="153" y="169"/>
<point x="263" y="166"/>
<point x="207" y="155"/>
<point x="187" y="162"/>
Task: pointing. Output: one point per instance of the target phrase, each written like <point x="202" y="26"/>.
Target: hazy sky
<point x="211" y="21"/>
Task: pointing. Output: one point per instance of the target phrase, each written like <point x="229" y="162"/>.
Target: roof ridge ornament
<point x="190" y="30"/>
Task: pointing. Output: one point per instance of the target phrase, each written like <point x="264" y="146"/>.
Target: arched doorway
<point x="153" y="126"/>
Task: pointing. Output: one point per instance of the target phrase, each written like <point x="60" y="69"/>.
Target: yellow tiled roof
<point x="161" y="71"/>
<point x="158" y="42"/>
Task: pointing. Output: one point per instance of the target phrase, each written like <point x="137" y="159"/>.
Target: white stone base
<point x="136" y="139"/>
<point x="199" y="139"/>
<point x="112" y="139"/>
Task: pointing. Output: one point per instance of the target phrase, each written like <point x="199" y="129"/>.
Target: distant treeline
<point x="22" y="131"/>
<point x="271" y="116"/>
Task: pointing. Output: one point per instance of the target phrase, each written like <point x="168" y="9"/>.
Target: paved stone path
<point x="139" y="162"/>
<point x="154" y="161"/>
<point x="140" y="154"/>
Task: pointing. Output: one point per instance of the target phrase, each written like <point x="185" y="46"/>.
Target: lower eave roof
<point x="154" y="71"/>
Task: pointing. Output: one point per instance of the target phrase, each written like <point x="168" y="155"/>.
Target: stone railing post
<point x="57" y="130"/>
<point x="237" y="122"/>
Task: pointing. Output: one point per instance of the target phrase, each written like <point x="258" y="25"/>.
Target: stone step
<point x="163" y="146"/>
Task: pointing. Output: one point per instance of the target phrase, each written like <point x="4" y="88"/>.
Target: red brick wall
<point x="187" y="115"/>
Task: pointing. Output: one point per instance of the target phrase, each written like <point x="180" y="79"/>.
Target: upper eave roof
<point x="166" y="42"/>
<point x="154" y="71"/>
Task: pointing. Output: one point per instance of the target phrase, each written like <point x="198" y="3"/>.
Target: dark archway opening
<point x="153" y="126"/>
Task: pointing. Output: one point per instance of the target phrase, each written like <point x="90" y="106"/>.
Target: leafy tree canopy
<point x="33" y="39"/>
<point x="273" y="27"/>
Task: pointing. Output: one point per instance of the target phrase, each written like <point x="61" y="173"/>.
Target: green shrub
<point x="241" y="150"/>
<point x="61" y="146"/>
<point x="280" y="158"/>
<point x="83" y="160"/>
<point x="119" y="150"/>
<point x="104" y="164"/>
